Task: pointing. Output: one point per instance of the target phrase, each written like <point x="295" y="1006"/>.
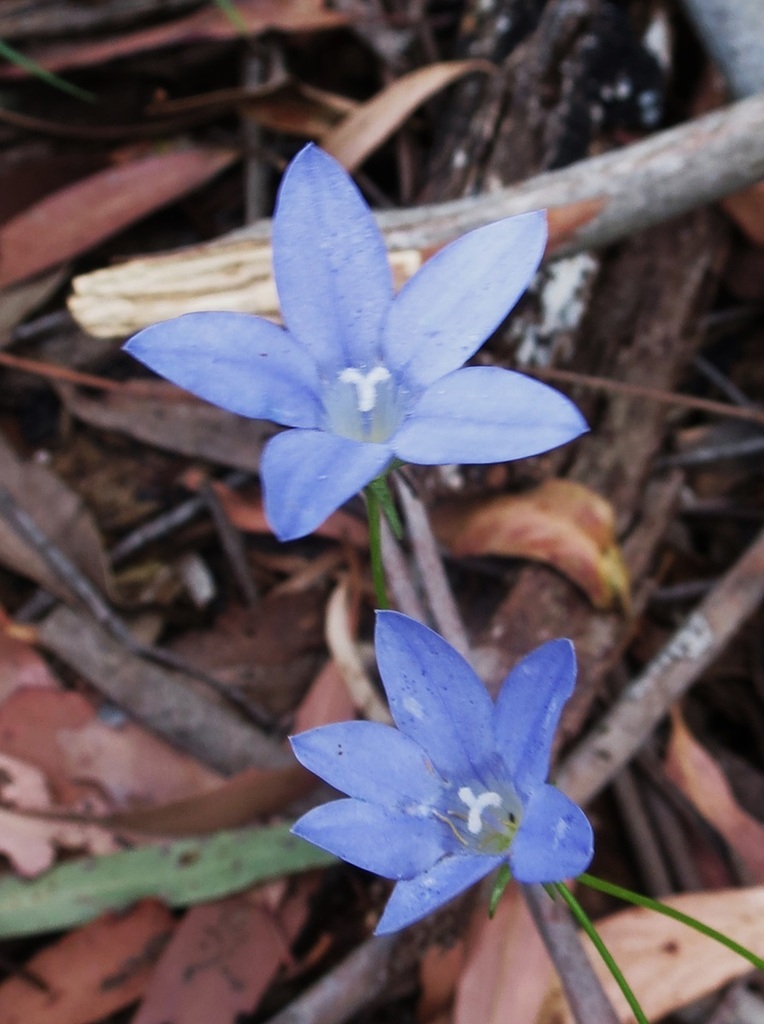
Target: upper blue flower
<point x="365" y="376"/>
<point x="460" y="787"/>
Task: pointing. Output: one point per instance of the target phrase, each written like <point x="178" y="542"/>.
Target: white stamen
<point x="477" y="805"/>
<point x="366" y="384"/>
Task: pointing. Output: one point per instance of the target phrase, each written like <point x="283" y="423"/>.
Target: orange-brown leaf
<point x="76" y="218"/>
<point x="364" y="130"/>
<point x="92" y="972"/>
<point x="700" y="778"/>
<point x="560" y="522"/>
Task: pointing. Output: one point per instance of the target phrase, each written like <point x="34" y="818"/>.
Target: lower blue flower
<point x="459" y="788"/>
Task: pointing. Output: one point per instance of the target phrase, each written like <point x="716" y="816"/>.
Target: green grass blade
<point x="587" y="924"/>
<point x="15" y="57"/>
<point x="179" y="873"/>
<point x="638" y="900"/>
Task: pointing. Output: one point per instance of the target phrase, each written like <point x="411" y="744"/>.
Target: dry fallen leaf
<point x="92" y="972"/>
<point x="61" y="516"/>
<point x="507" y="969"/>
<point x="206" y="25"/>
<point x="560" y="522"/>
<point x="80" y="216"/>
<point x="667" y="964"/>
<point x="700" y="778"/>
<point x="28" y="838"/>
<point x="364" y="130"/>
<point x="223" y="957"/>
<point x="747" y="210"/>
<point x="21" y="667"/>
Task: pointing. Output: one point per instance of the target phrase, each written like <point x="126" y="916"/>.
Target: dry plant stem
<point x="647" y="699"/>
<point x="735" y="412"/>
<point x="643" y="184"/>
<point x="433" y="575"/>
<point x="643" y="840"/>
<point x="585" y="994"/>
<point x="165" y="701"/>
<point x="398" y="576"/>
<point x="84" y="592"/>
<point x="358" y="980"/>
<point x="167" y="522"/>
<point x="232" y="543"/>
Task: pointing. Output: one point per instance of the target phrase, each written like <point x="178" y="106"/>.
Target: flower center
<point x="364" y="405"/>
<point x="485" y="821"/>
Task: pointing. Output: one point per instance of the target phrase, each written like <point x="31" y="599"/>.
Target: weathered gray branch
<point x="648" y="698"/>
<point x="637" y="186"/>
<point x="733" y="33"/>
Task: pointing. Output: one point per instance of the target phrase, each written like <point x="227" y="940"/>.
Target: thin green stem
<point x="588" y="926"/>
<point x="374" y="512"/>
<point x="662" y="908"/>
<point x="10" y="53"/>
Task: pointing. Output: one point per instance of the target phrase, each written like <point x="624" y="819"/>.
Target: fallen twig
<point x="646" y="700"/>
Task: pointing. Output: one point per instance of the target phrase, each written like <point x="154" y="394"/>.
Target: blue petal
<point x="415" y="898"/>
<point x="435" y="697"/>
<point x="461" y="295"/>
<point x="308" y="474"/>
<point x="242" y="363"/>
<point x="389" y="843"/>
<point x="528" y="710"/>
<point x="330" y="263"/>
<point x="484" y="414"/>
<point x="554" y="840"/>
<point x="371" y="762"/>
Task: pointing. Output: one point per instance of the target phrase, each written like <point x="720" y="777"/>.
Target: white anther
<point x="366" y="384"/>
<point x="477" y="804"/>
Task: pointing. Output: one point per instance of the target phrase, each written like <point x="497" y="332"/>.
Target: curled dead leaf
<point x="365" y="129"/>
<point x="559" y="522"/>
<point x="701" y="779"/>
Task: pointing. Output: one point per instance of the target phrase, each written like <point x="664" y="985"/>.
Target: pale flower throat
<point x="484" y="821"/>
<point x="364" y="405"/>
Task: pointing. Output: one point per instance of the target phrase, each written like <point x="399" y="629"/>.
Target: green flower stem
<point x="374" y="512"/>
<point x="662" y="908"/>
<point x="588" y="926"/>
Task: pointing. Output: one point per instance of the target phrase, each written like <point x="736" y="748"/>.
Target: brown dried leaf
<point x="207" y="25"/>
<point x="564" y="221"/>
<point x="91" y="972"/>
<point x="246" y="512"/>
<point x="223" y="957"/>
<point x="61" y="516"/>
<point x="86" y="760"/>
<point x="190" y="427"/>
<point x="364" y="130"/>
<point x="78" y="217"/>
<point x="747" y="210"/>
<point x="701" y="779"/>
<point x="507" y="969"/>
<point x="21" y="667"/>
<point x="560" y="522"/>
<point x="255" y="793"/>
<point x="29" y="839"/>
<point x="668" y="964"/>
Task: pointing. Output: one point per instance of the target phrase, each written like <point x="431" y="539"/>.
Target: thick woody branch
<point x="597" y="201"/>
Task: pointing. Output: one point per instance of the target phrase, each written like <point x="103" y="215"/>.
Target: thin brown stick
<point x="620" y="387"/>
<point x="648" y="698"/>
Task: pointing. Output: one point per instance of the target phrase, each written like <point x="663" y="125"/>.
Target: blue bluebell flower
<point x="460" y="787"/>
<point x="363" y="376"/>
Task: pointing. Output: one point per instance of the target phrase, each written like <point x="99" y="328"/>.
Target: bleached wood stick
<point x="733" y="33"/>
<point x="621" y="191"/>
